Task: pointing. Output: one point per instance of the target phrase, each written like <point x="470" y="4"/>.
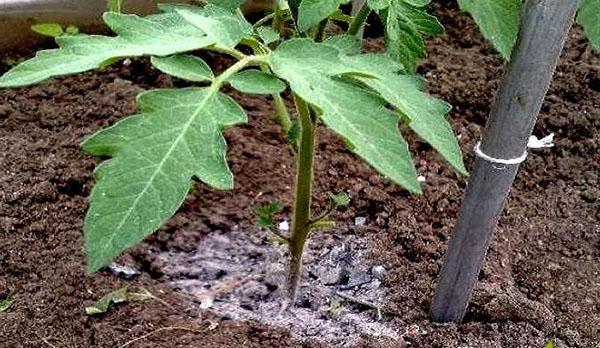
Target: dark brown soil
<point x="541" y="280"/>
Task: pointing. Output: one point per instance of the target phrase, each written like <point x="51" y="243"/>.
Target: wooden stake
<point x="545" y="25"/>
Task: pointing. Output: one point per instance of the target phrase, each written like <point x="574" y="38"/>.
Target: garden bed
<point x="541" y="280"/>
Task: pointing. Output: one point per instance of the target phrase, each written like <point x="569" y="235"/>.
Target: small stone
<point x="207" y="302"/>
<point x="591" y="195"/>
<point x="553" y="266"/>
<point x="330" y="275"/>
<point x="284" y="226"/>
<point x="124" y="272"/>
<point x="378" y="272"/>
<point x="360" y="221"/>
<point x="421" y="178"/>
<point x="5" y="110"/>
<point x="358" y="278"/>
<point x="412" y="331"/>
<point x="255" y="291"/>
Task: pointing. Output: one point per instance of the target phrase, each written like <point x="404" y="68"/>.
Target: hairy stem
<point x="302" y="196"/>
<point x="359" y="19"/>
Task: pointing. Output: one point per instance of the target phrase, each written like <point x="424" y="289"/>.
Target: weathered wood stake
<point x="544" y="27"/>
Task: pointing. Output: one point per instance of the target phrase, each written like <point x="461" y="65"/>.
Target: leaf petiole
<point x="264" y="20"/>
<point x="282" y="114"/>
<point x="320" y="33"/>
<point x="228" y="51"/>
<point x="323" y="215"/>
<point x="359" y="19"/>
<point x="256" y="60"/>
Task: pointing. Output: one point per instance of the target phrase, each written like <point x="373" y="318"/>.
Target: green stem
<point x="283" y="116"/>
<point x="320" y="34"/>
<point x="239" y="65"/>
<point x="228" y="51"/>
<point x="359" y="19"/>
<point x="323" y="215"/>
<point x="277" y="23"/>
<point x="265" y="19"/>
<point x="115" y="5"/>
<point x="302" y="196"/>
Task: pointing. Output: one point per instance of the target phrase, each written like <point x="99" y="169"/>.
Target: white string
<point x="535" y="143"/>
<point x="532" y="143"/>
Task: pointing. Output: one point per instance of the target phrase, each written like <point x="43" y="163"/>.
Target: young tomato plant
<point x="177" y="133"/>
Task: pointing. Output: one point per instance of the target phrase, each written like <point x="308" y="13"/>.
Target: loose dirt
<point x="541" y="280"/>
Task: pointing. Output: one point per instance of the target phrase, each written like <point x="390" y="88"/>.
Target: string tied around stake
<point x="532" y="143"/>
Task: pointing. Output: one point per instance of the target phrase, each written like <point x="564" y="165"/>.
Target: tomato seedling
<point x="177" y="133"/>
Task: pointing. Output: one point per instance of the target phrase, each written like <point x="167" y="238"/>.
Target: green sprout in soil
<point x="289" y="54"/>
<point x="125" y="294"/>
<point x="5" y="304"/>
<point x="54" y="29"/>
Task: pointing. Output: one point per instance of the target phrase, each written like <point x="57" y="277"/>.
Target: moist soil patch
<point x="541" y="280"/>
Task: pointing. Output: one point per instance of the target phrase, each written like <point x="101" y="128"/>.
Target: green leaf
<point x="160" y="35"/>
<point x="294" y="5"/>
<point x="48" y="29"/>
<point x="5" y="304"/>
<point x="405" y="26"/>
<point x="264" y="214"/>
<point x="114" y="5"/>
<point x="420" y="19"/>
<point x="418" y="3"/>
<point x="225" y="28"/>
<point x="426" y="114"/>
<point x="267" y="34"/>
<point x="230" y="5"/>
<point x="256" y="82"/>
<point x="312" y="12"/>
<point x="125" y="294"/>
<point x="154" y="156"/>
<point x="498" y="21"/>
<point x="340" y="16"/>
<point x="549" y="344"/>
<point x="346" y="44"/>
<point x="341" y="199"/>
<point x="589" y="18"/>
<point x="184" y="66"/>
<point x="377" y="5"/>
<point x="72" y="30"/>
<point x="358" y="116"/>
